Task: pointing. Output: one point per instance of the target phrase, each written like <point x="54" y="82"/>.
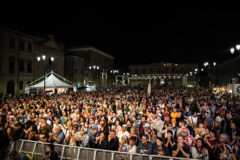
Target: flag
<point x="149" y="89"/>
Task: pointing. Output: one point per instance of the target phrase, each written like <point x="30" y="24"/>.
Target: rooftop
<point x="90" y="49"/>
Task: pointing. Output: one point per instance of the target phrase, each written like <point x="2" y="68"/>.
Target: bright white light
<point x="52" y="59"/>
<point x="94" y="67"/>
<point x="187" y="75"/>
<point x="205" y="64"/>
<point x="38" y="59"/>
<point x="162" y="82"/>
<point x="97" y="67"/>
<point x="111" y="71"/>
<point x="202" y="69"/>
<point x="232" y="50"/>
<point x="238" y="47"/>
<point x="214" y="63"/>
<point x="90" y="67"/>
<point x="190" y="73"/>
<point x="196" y="69"/>
<point x="43" y="57"/>
<point x="195" y="72"/>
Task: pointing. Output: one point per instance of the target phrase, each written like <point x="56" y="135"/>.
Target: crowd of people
<point x="177" y="122"/>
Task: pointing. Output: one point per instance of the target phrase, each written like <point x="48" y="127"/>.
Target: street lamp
<point x="238" y="47"/>
<point x="51" y="59"/>
<point x="94" y="68"/>
<point x="232" y="50"/>
<point x="43" y="57"/>
<point x="214" y="63"/>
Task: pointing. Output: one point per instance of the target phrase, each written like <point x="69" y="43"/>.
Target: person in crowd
<point x="188" y="139"/>
<point x="181" y="149"/>
<point x="113" y="142"/>
<point x="153" y="136"/>
<point x="123" y="145"/>
<point x="169" y="142"/>
<point x="123" y="132"/>
<point x="132" y="145"/>
<point x="144" y="147"/>
<point x="92" y="132"/>
<point x="57" y="136"/>
<point x="159" y="148"/>
<point x="50" y="153"/>
<point x="210" y="143"/>
<point x="199" y="151"/>
<point x="100" y="119"/>
<point x="174" y="116"/>
<point x="101" y="141"/>
<point x="83" y="138"/>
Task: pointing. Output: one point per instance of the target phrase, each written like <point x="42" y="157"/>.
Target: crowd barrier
<point x="37" y="149"/>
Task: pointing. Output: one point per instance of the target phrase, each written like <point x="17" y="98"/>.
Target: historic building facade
<point x="89" y="66"/>
<point x="163" y="74"/>
<point x="51" y="49"/>
<point x="225" y="72"/>
<point x="18" y="59"/>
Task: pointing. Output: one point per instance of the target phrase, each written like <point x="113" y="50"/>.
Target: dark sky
<point x="137" y="37"/>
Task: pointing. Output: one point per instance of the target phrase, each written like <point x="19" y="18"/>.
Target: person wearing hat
<point x="146" y="130"/>
<point x="123" y="132"/>
<point x="158" y="124"/>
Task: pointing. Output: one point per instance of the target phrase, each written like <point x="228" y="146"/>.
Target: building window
<point x="12" y="43"/>
<point x="20" y="85"/>
<point x="21" y="65"/>
<point x="11" y="67"/>
<point x="22" y="44"/>
<point x="30" y="47"/>
<point x="29" y="66"/>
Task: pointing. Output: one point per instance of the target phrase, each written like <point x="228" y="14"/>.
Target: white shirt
<point x="76" y="135"/>
<point x="193" y="119"/>
<point x="121" y="134"/>
<point x="133" y="149"/>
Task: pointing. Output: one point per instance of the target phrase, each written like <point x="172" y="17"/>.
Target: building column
<point x="115" y="80"/>
<point x="184" y="80"/>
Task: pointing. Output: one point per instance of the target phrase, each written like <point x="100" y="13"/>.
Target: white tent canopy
<point x="52" y="80"/>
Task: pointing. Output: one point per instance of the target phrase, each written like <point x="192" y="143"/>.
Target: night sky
<point x="137" y="37"/>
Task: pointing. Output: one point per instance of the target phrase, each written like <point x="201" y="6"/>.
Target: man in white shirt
<point x="123" y="132"/>
<point x="158" y="124"/>
<point x="73" y="136"/>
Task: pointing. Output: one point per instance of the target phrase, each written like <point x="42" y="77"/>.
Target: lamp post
<point x="94" y="68"/>
<point x="50" y="61"/>
<point x="115" y="72"/>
